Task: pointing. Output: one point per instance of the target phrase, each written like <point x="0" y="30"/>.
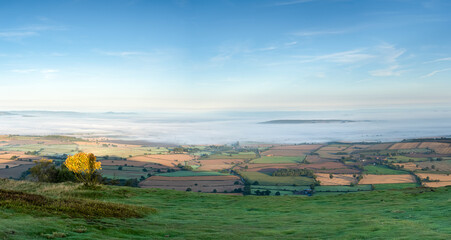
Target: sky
<point x="132" y="55"/>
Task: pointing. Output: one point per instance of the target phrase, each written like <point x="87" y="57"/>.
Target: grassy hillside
<point x="418" y="213"/>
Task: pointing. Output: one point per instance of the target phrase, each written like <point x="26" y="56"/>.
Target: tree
<point x="43" y="171"/>
<point x="46" y="171"/>
<point x="84" y="166"/>
<point x="277" y="193"/>
<point x="331" y="176"/>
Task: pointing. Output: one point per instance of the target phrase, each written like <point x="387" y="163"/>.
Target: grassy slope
<point x="401" y="214"/>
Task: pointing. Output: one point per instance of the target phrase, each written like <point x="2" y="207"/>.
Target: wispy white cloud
<point x="389" y="55"/>
<point x="293" y="2"/>
<point x="34" y="70"/>
<point x="121" y="53"/>
<point x="228" y="51"/>
<point x="435" y="72"/>
<point x="27" y="31"/>
<point x="440" y="60"/>
<point x="387" y="72"/>
<point x="318" y="33"/>
<point x="16" y="34"/>
<point x="29" y="70"/>
<point x="339" y="57"/>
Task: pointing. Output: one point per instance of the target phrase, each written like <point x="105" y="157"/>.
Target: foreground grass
<point x="420" y="213"/>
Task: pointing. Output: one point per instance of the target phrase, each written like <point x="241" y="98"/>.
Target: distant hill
<point x="284" y="121"/>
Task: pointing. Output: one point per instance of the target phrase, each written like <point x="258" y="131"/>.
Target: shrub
<point x="84" y="166"/>
<point x="46" y="171"/>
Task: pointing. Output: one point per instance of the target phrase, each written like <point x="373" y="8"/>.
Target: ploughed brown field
<point x="15" y="165"/>
<point x="381" y="146"/>
<point x="325" y="167"/>
<point x="444" y="179"/>
<point x="170" y="160"/>
<point x="398" y="146"/>
<point x="355" y="147"/>
<point x="284" y="153"/>
<point x="307" y="147"/>
<point x="433" y="145"/>
<point x="333" y="148"/>
<point x="6" y="155"/>
<point x="438" y="165"/>
<point x="338" y="179"/>
<point x="291" y="151"/>
<point x="330" y="154"/>
<point x="15" y="172"/>
<point x="382" y="179"/>
<point x="131" y="164"/>
<point x="217" y="164"/>
<point x="8" y="141"/>
<point x="196" y="183"/>
<point x="440" y="148"/>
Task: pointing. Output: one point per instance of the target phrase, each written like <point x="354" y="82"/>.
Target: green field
<point x="241" y="155"/>
<point x="125" y="173"/>
<point x="355" y="188"/>
<point x="394" y="186"/>
<point x="264" y="179"/>
<point x="190" y="174"/>
<point x="279" y="159"/>
<point x="400" y="214"/>
<point x="122" y="152"/>
<point x="401" y="159"/>
<point x="382" y="170"/>
<point x="283" y="190"/>
<point x="44" y="150"/>
<point x="272" y="192"/>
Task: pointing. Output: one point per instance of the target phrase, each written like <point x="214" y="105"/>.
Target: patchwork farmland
<point x="277" y="169"/>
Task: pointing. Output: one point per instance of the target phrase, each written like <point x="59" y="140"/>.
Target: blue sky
<point x="236" y="55"/>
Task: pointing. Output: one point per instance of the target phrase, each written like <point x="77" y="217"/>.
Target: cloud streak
<point x="351" y="56"/>
<point x="287" y="3"/>
<point x="28" y="31"/>
<point x="122" y="54"/>
<point x="435" y="72"/>
<point x="318" y="33"/>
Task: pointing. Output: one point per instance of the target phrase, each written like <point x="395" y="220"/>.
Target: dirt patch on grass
<point x="381" y="179"/>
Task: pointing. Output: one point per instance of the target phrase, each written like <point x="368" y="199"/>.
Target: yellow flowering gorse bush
<point x="84" y="166"/>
